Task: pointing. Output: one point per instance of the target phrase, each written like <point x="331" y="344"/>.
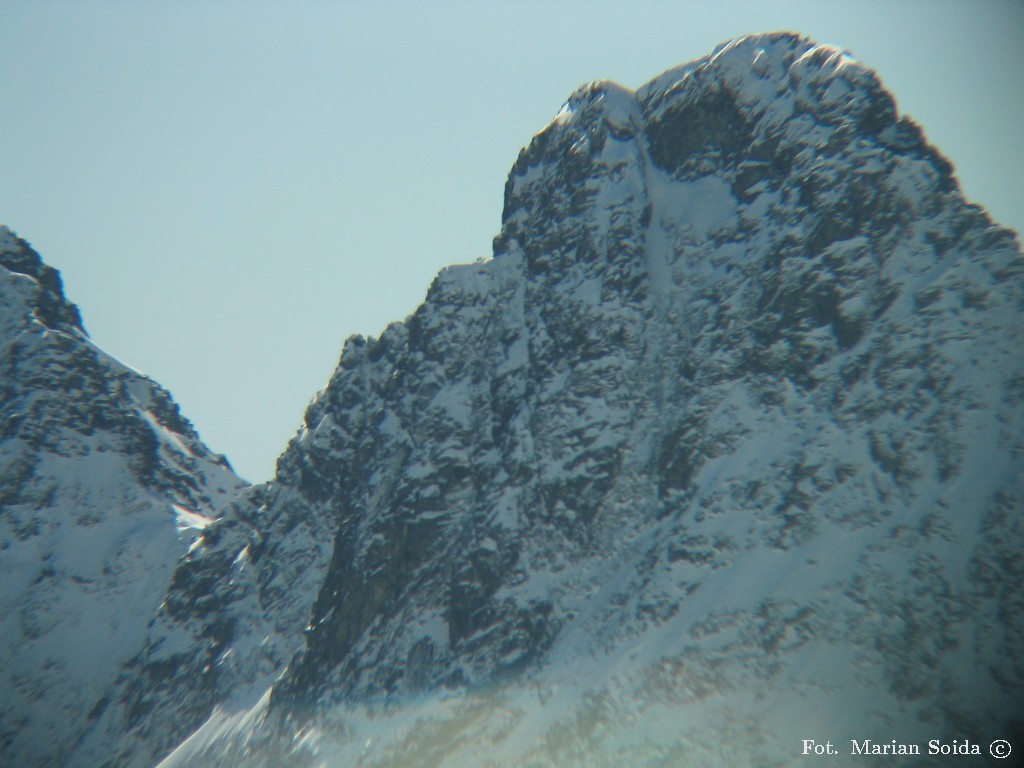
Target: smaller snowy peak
<point x="590" y="156"/>
<point x="8" y="240"/>
<point x="103" y="484"/>
<point x="47" y="301"/>
<point x="602" y="99"/>
<point x="595" y="111"/>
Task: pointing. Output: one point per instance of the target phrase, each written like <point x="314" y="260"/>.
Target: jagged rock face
<point x="235" y="613"/>
<point x="743" y="313"/>
<point x="727" y="433"/>
<point x="101" y="481"/>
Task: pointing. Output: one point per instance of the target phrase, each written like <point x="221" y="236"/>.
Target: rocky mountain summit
<point x="103" y="485"/>
<point x="722" y="450"/>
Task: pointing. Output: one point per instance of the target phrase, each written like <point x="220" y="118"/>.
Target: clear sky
<point x="231" y="189"/>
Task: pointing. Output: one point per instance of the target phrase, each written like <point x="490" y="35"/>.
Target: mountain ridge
<point x="102" y="480"/>
<point x="573" y="451"/>
<point x="719" y="446"/>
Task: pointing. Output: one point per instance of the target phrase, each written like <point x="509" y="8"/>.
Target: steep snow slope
<point x="103" y="487"/>
<point x="721" y="451"/>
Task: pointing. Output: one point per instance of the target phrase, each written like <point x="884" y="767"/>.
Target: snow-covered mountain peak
<point x="102" y="485"/>
<point x="42" y="294"/>
<point x="601" y="99"/>
<point x="720" y="451"/>
<point x="8" y="239"/>
<point x="760" y="71"/>
<point x="719" y="437"/>
<point x="721" y="142"/>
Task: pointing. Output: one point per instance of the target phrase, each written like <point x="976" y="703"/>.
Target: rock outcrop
<point x="103" y="486"/>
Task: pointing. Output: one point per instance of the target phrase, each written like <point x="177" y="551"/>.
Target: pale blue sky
<point x="232" y="188"/>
